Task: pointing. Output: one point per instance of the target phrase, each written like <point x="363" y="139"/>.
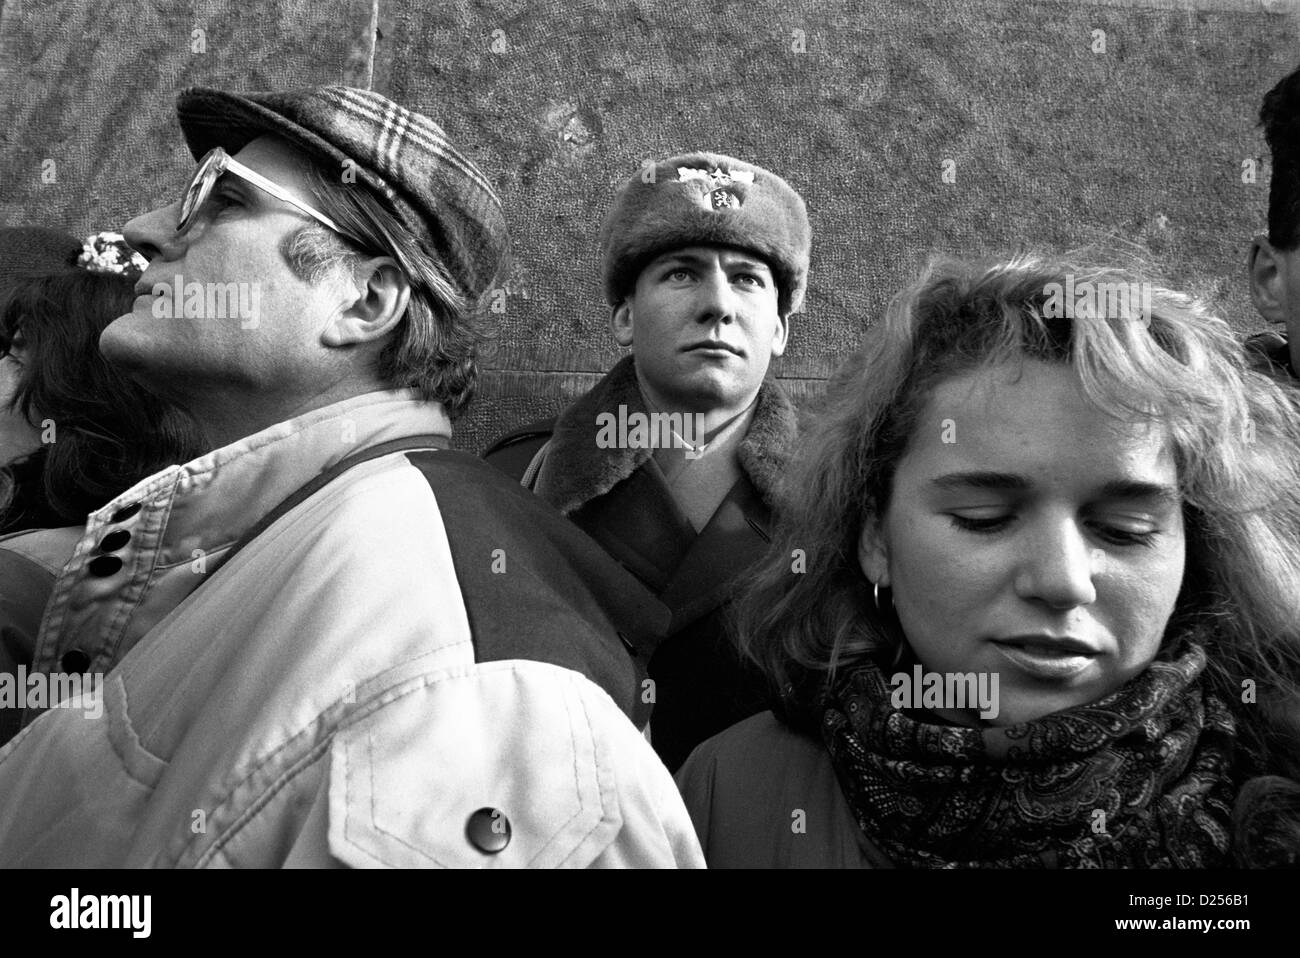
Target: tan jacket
<point x="323" y="698"/>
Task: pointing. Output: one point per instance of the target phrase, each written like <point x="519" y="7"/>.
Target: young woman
<point x="1037" y="603"/>
<point x="73" y="432"/>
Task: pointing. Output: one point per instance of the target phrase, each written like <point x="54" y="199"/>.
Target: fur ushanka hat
<point x="706" y="199"/>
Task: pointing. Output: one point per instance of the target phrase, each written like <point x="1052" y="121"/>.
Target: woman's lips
<point x="1044" y="659"/>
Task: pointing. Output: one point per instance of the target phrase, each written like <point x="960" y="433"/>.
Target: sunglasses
<point x="217" y="162"/>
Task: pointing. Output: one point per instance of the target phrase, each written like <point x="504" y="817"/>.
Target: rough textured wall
<point x="87" y="91"/>
<point x="1054" y="140"/>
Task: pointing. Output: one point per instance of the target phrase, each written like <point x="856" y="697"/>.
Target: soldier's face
<point x="703" y="326"/>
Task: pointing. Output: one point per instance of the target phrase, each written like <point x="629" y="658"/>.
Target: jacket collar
<point x="576" y="471"/>
<point x="182" y="520"/>
<point x="230" y="488"/>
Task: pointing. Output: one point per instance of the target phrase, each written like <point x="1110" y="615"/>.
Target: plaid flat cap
<point x="404" y="157"/>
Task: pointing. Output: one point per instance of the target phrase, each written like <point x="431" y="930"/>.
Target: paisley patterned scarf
<point x="1139" y="779"/>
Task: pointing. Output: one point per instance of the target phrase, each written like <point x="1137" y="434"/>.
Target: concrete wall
<point x="1053" y="141"/>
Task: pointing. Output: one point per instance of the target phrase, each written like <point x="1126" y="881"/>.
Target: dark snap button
<point x="126" y="512"/>
<point x="114" y="541"/>
<point x="75" y="661"/>
<point x="488" y="830"/>
<point x="104" y="566"/>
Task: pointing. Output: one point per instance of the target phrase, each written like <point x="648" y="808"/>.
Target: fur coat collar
<point x="575" y="470"/>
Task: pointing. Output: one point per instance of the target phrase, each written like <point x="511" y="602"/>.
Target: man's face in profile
<point x="235" y="247"/>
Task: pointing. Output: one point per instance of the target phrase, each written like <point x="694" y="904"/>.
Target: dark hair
<point x="107" y="432"/>
<point x="1280" y="117"/>
<point x="435" y="349"/>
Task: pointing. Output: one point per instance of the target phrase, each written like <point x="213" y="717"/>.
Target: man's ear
<point x="781" y="336"/>
<point x="1267" y="271"/>
<point x="873" y="554"/>
<point x="376" y="297"/>
<point x="620" y="323"/>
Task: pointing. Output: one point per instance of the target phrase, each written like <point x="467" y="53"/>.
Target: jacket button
<point x="114" y="541"/>
<point x="488" y="830"/>
<point x="126" y="512"/>
<point x="104" y="566"/>
<point x="74" y="662"/>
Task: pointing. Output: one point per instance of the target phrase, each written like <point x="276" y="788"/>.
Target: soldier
<point x="672" y="461"/>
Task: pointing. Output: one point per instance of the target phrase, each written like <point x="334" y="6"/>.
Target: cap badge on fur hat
<point x="718" y="197"/>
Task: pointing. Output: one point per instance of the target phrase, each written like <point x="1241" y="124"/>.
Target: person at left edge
<point x="74" y="432"/>
<point x="415" y="664"/>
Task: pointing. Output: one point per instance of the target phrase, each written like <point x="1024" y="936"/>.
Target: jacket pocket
<point x="498" y="765"/>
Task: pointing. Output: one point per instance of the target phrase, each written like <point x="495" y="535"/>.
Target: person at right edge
<point x="1274" y="264"/>
<point x="703" y="258"/>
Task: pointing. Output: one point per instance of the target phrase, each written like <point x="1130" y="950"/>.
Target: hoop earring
<point x="875" y="596"/>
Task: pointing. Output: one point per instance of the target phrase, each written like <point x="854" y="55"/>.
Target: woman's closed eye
<point x="980" y="522"/>
<point x="1125" y="532"/>
<point x="1121" y="532"/>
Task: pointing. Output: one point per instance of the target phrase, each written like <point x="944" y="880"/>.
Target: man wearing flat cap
<point x="332" y="640"/>
<point x="672" y="461"/>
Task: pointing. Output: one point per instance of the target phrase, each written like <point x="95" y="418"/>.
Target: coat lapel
<point x="619" y="497"/>
<point x="766" y="447"/>
<point x="736" y="536"/>
<point x="640" y="524"/>
<point x="576" y="470"/>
